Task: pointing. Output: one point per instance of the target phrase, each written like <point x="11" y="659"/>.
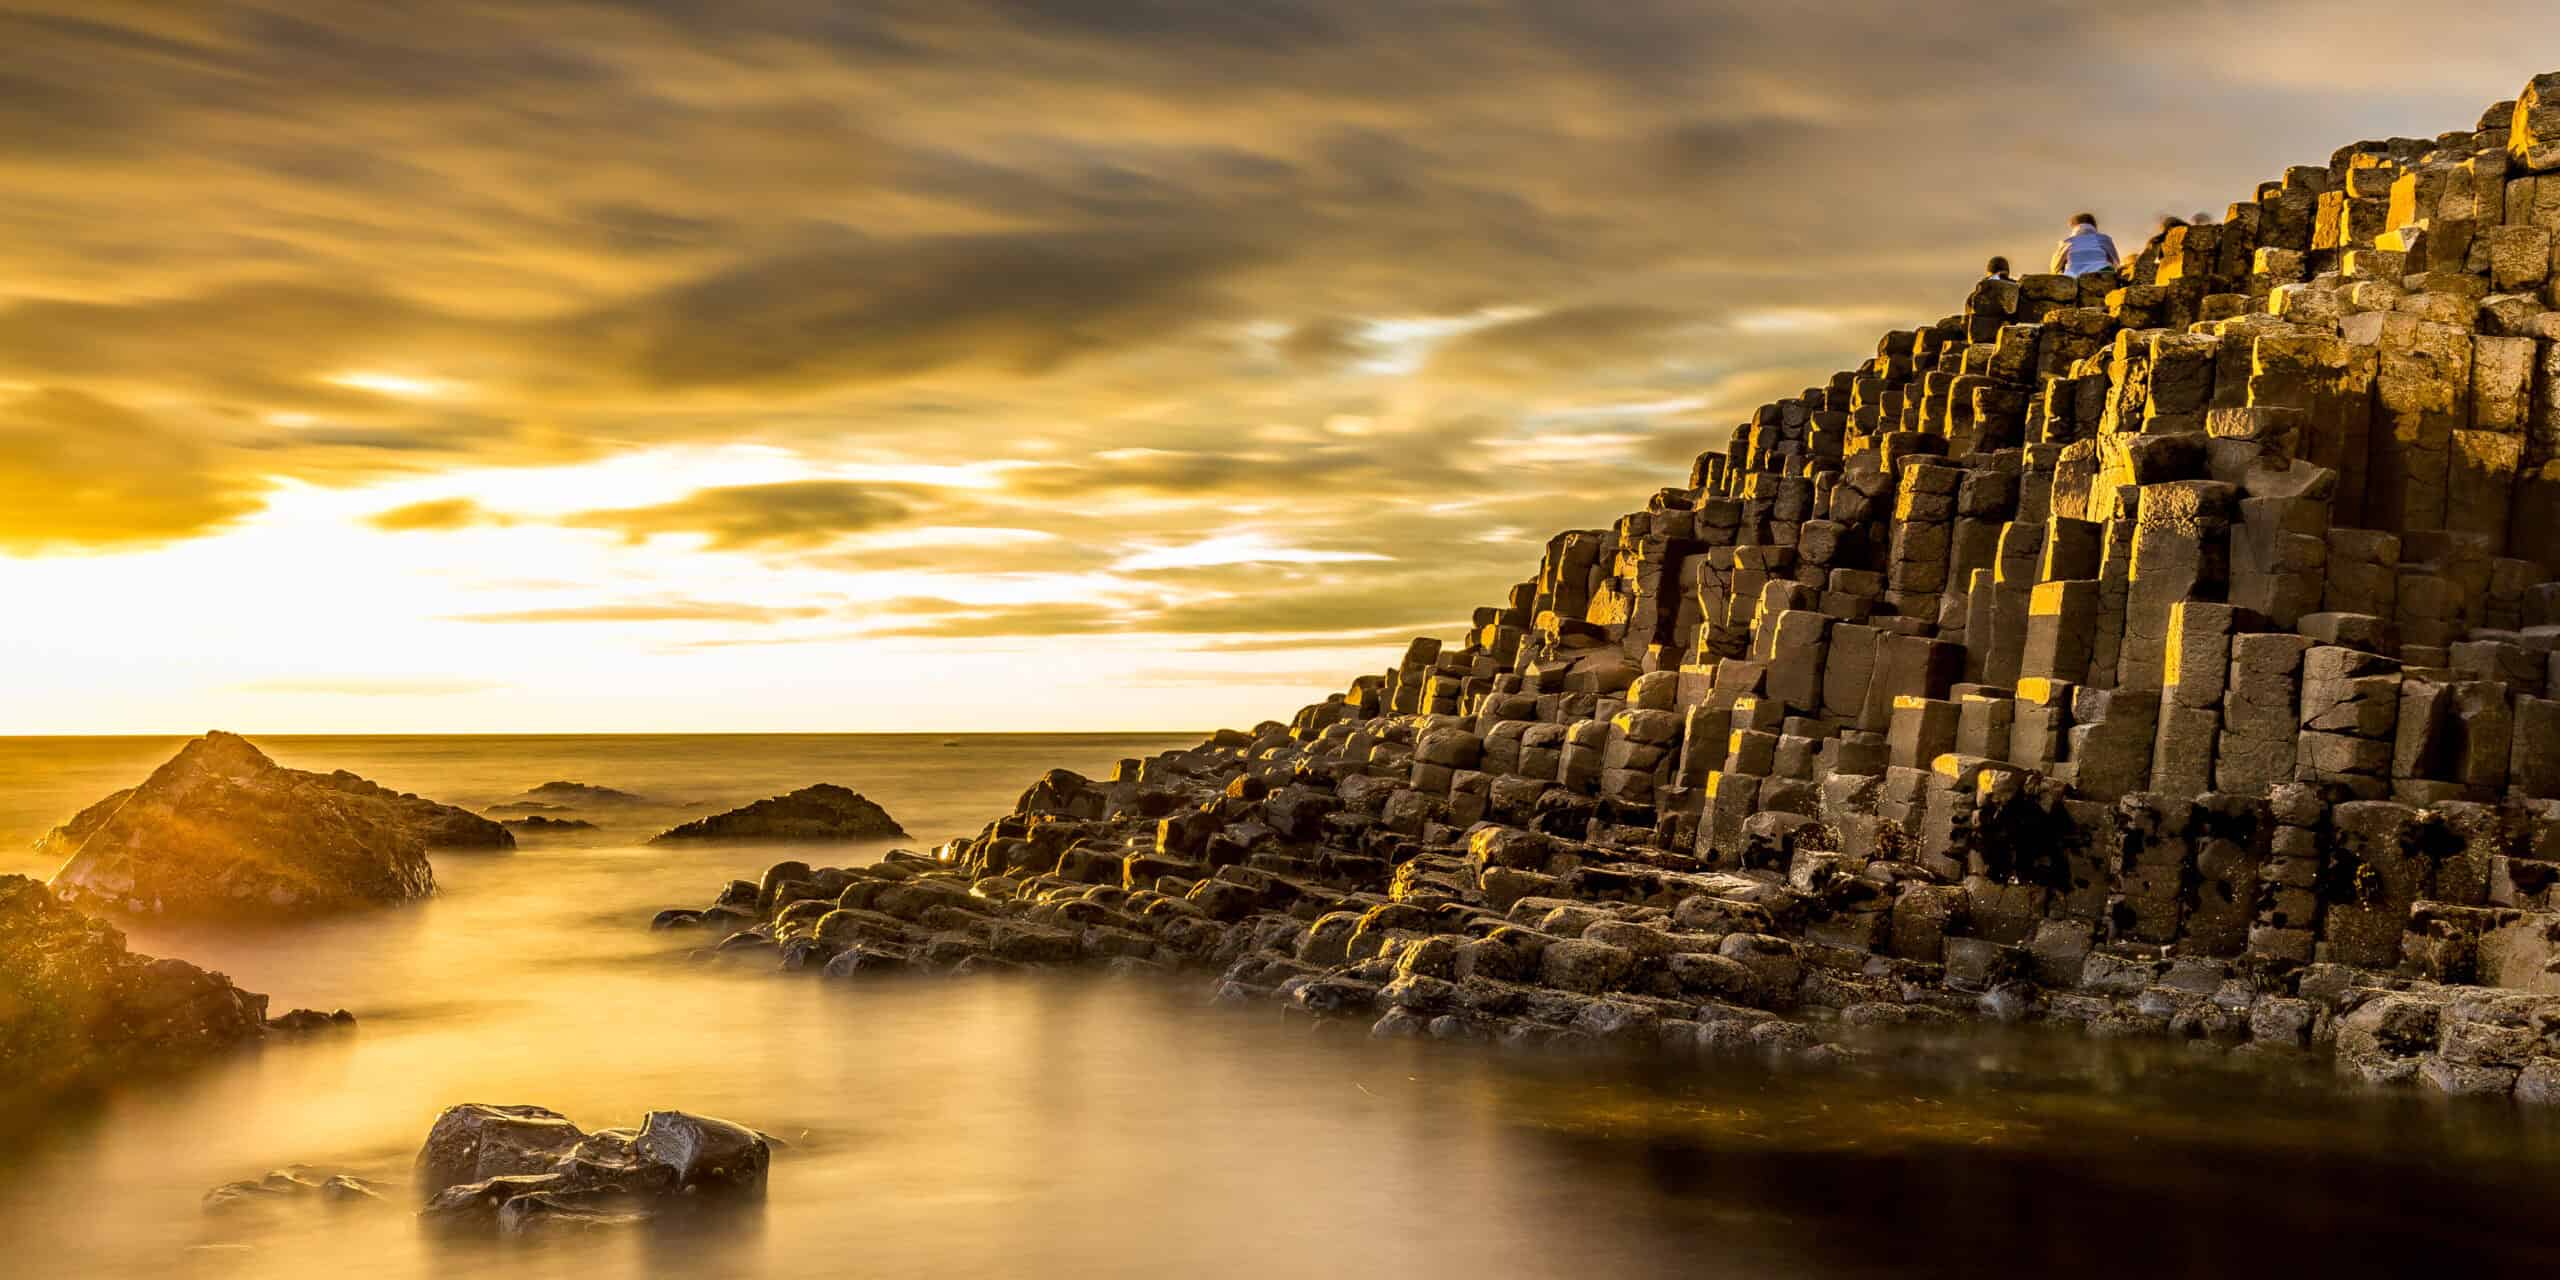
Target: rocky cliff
<point x="2168" y="651"/>
<point x="223" y="831"/>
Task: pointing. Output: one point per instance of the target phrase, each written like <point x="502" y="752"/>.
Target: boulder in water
<point x="475" y="1142"/>
<point x="76" y="1006"/>
<point x="221" y="831"/>
<point x="518" y="1169"/>
<point x="822" y="812"/>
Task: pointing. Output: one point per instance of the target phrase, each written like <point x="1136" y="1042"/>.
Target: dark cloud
<point x="1551" y="345"/>
<point x="868" y="312"/>
<point x="790" y="514"/>
<point x="1326" y="341"/>
<point x="78" y="472"/>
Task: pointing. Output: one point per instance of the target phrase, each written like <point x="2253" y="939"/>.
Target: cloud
<point x="785" y="515"/>
<point x="437" y="515"/>
<point x="1552" y="345"/>
<point x="1367" y="279"/>
<point x="869" y="311"/>
<point x="1249" y="547"/>
<point x="81" y="473"/>
<point x="653" y="611"/>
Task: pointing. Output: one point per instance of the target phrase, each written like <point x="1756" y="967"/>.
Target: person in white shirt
<point x="2086" y="249"/>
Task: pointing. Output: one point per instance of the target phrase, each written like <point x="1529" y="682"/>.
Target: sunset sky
<point x="956" y="364"/>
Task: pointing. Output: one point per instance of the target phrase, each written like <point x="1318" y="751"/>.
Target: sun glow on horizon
<point x="405" y="386"/>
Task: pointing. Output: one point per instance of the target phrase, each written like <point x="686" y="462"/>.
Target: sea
<point x="1078" y="1125"/>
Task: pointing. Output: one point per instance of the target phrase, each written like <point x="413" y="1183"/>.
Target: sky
<point x="957" y="365"/>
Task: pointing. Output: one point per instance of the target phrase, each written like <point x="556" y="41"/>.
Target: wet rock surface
<point x="79" y="1009"/>
<point x="822" y="812"/>
<point x="2168" y="651"/>
<point x="295" y="1185"/>
<point x="222" y="832"/>
<point x="517" y="1170"/>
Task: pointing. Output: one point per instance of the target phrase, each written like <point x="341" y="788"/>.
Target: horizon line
<point x="625" y="733"/>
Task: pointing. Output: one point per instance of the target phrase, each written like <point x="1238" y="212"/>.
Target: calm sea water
<point x="1081" y="1127"/>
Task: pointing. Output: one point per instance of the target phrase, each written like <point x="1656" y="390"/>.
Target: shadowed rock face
<point x="822" y="812"/>
<point x="223" y="832"/>
<point x="76" y="1005"/>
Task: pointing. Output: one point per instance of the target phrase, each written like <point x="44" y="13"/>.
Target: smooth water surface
<point x="1078" y="1126"/>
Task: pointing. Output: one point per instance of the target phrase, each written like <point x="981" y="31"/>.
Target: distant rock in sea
<point x="822" y="812"/>
<point x="76" y="1007"/>
<point x="570" y="795"/>
<point x="223" y="832"/>
<point x="538" y="824"/>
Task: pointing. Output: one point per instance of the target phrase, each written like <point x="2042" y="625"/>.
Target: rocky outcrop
<point x="2166" y="651"/>
<point x="439" y="826"/>
<point x="541" y="825"/>
<point x="554" y="797"/>
<point x="515" y="1170"/>
<point x="825" y="812"/>
<point x="78" y="1008"/>
<point x="223" y="832"/>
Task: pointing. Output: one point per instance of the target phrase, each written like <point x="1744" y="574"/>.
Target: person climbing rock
<point x="2086" y="249"/>
<point x="1997" y="269"/>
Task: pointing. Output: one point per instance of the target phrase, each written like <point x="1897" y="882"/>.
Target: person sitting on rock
<point x="2086" y="249"/>
<point x="1997" y="269"/>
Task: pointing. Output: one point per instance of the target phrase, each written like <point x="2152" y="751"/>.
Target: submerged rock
<point x="221" y="831"/>
<point x="287" y="1185"/>
<point x="511" y="1170"/>
<point x="822" y="812"/>
<point x="76" y="1006"/>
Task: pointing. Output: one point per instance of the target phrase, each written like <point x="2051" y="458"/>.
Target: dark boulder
<point x="821" y="812"/>
<point x="513" y="1170"/>
<point x="76" y="1007"/>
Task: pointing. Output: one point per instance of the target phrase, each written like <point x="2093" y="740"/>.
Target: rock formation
<point x="221" y="831"/>
<point x="540" y="825"/>
<point x="570" y="795"/>
<point x="295" y="1184"/>
<point x="822" y="812"/>
<point x="76" y="1007"/>
<point x="511" y="1170"/>
<point x="2166" y="651"/>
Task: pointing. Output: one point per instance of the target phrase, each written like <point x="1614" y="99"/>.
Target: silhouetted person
<point x="2086" y="249"/>
<point x="1996" y="269"/>
<point x="2202" y="219"/>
